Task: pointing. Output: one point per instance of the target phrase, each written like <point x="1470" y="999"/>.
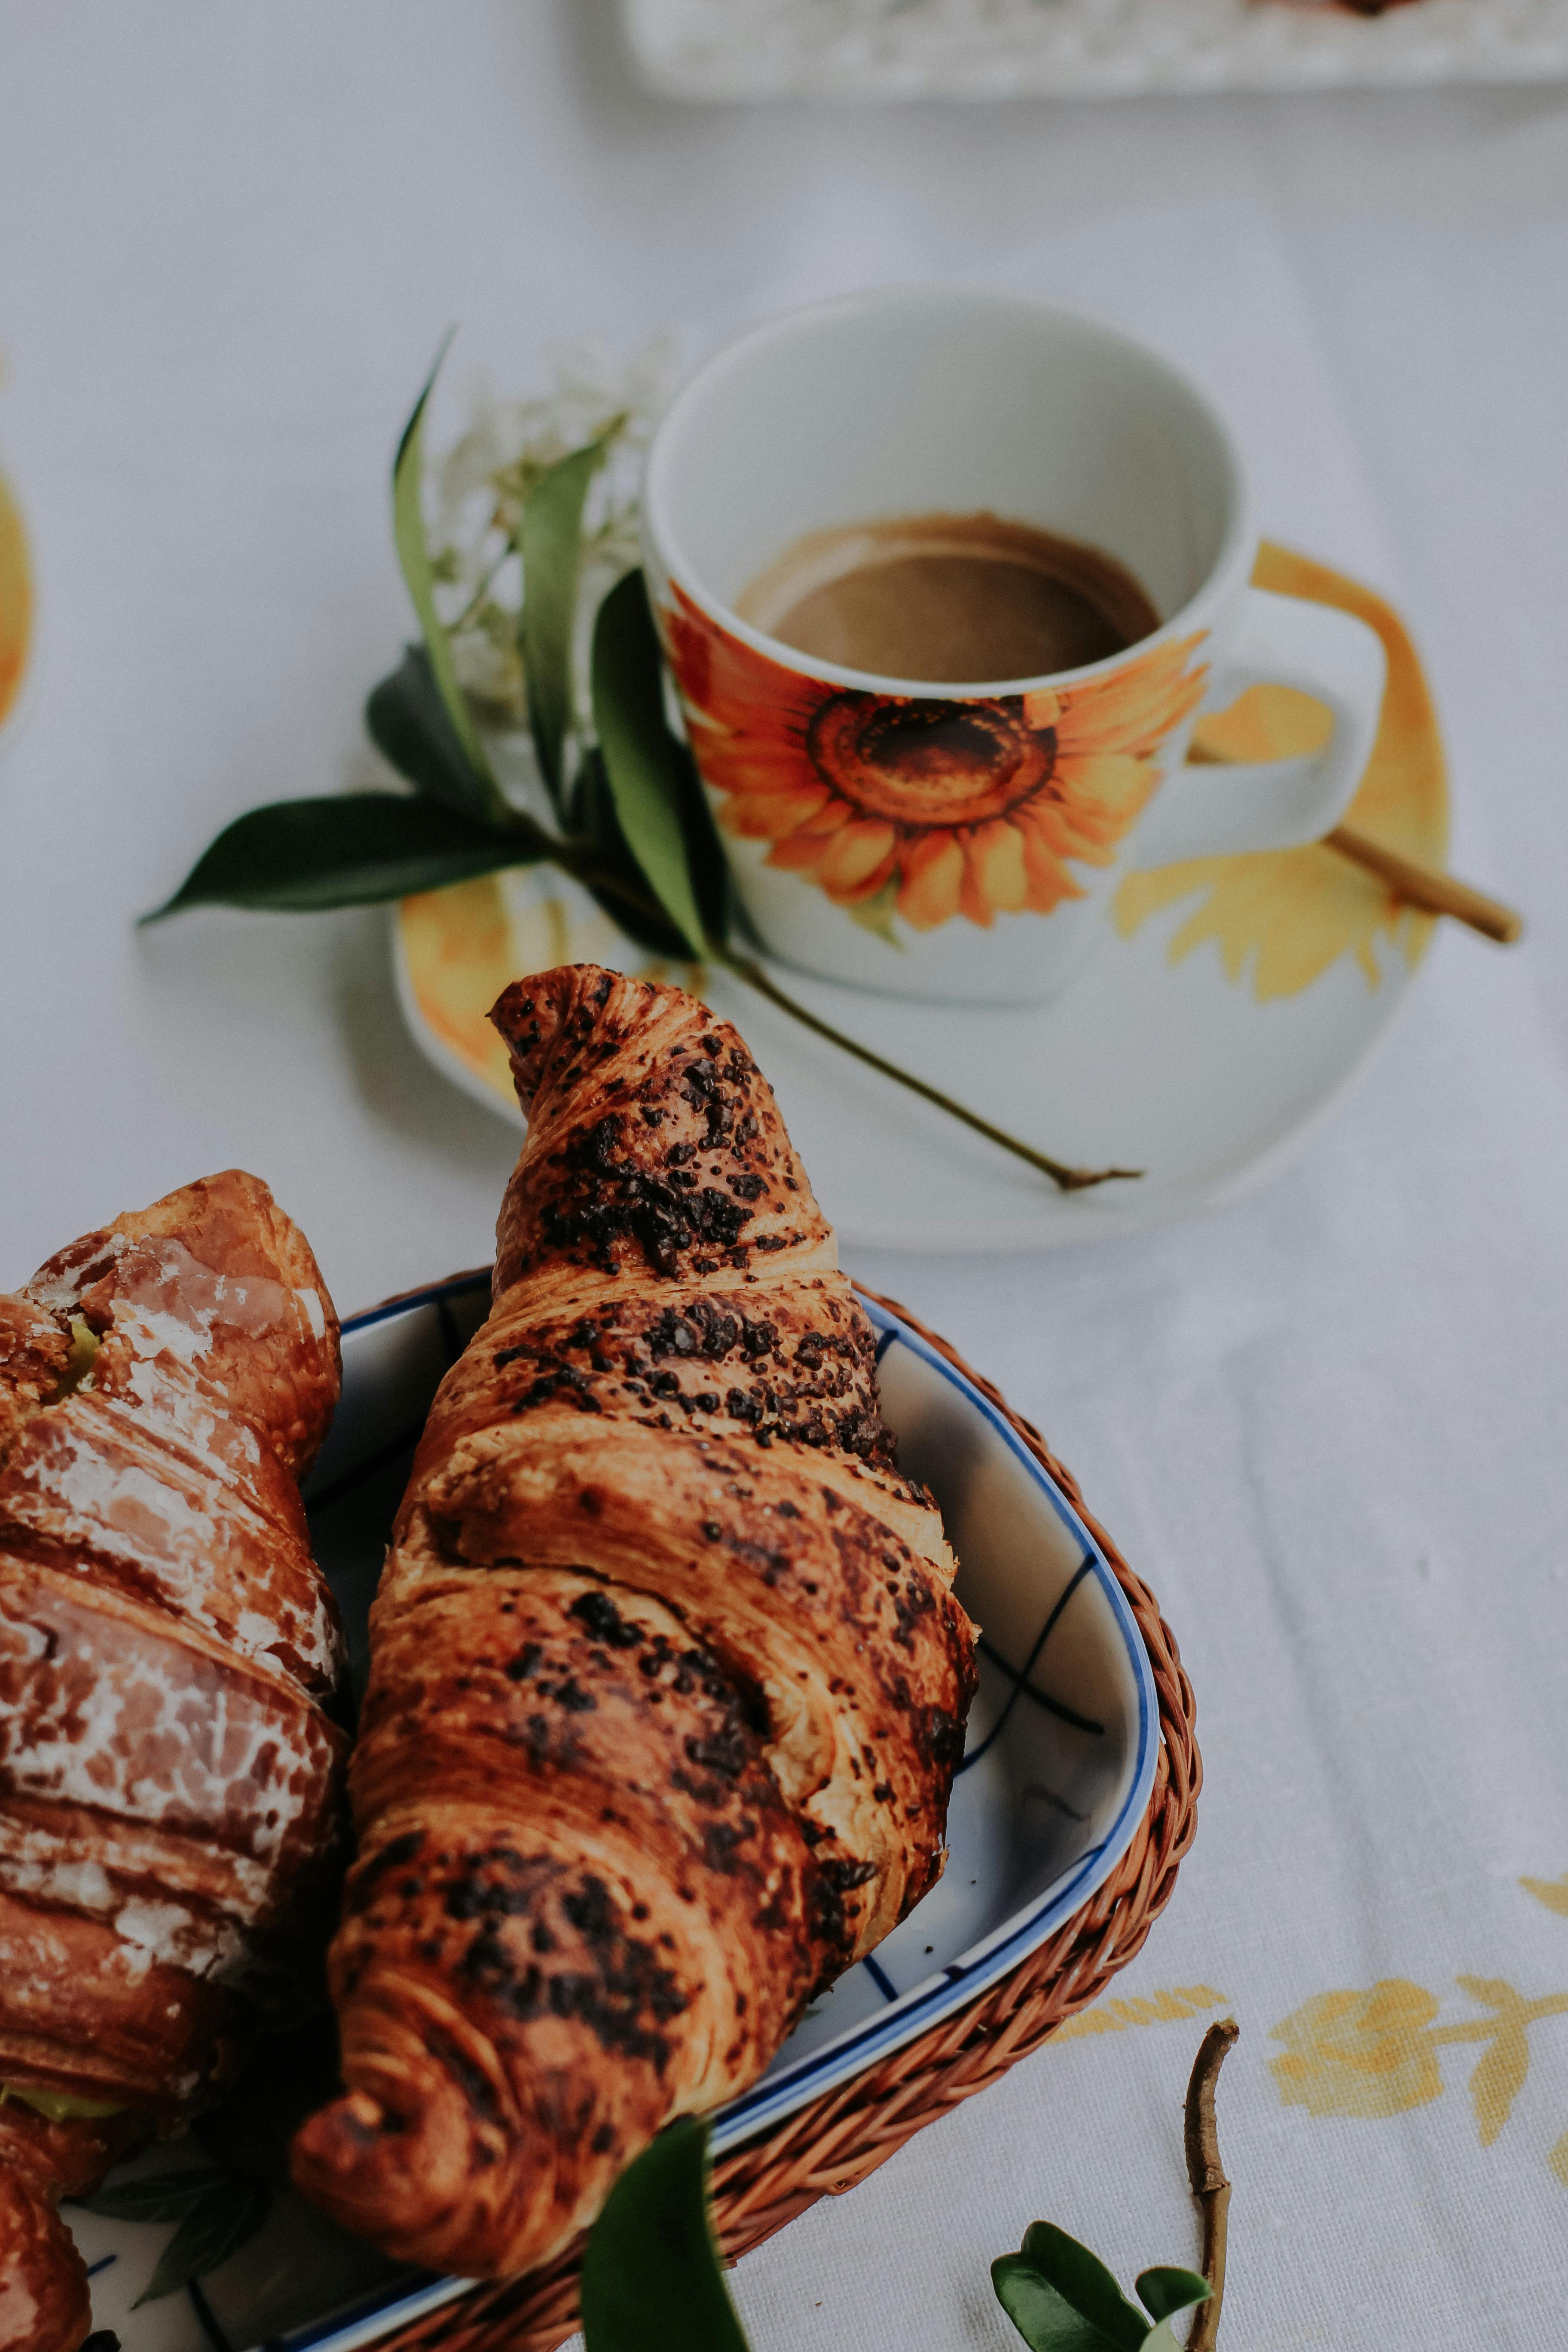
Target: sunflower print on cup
<point x="15" y="602"/>
<point x="932" y="805"/>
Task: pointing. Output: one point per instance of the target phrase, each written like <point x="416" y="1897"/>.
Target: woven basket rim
<point x="836" y="2139"/>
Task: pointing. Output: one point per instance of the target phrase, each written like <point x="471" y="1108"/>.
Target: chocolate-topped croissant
<point x="668" y="1684"/>
<point x="171" y="1664"/>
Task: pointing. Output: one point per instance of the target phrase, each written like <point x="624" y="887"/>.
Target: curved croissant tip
<point x="338" y="2143"/>
<point x="353" y="2117"/>
<point x="401" y="2176"/>
<point x="529" y="1015"/>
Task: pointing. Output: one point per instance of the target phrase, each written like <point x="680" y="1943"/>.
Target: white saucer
<point x="1229" y="1004"/>
<point x="1177" y="1072"/>
<point x="1173" y="1069"/>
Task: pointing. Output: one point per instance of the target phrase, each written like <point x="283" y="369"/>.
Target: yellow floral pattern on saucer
<point x="1292" y="913"/>
<point x="459" y="948"/>
<point x="15" y="601"/>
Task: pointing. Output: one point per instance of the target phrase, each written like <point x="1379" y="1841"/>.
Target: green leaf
<point x="651" y="2279"/>
<point x="605" y="866"/>
<point x="658" y="802"/>
<point x="225" y="2219"/>
<point x="551" y="542"/>
<point x="159" y="2196"/>
<point x="347" y="850"/>
<point x="407" y="722"/>
<point x="1165" y="2291"/>
<point x="1082" y="2280"/>
<point x="1162" y="2338"/>
<point x="414" y="554"/>
<point x="1044" y="2319"/>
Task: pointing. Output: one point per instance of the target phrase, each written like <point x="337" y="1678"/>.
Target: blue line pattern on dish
<point x="880" y="1978"/>
<point x="1052" y="1797"/>
<point x="1024" y="1688"/>
<point x="102" y="2263"/>
<point x="207" y="2317"/>
<point x="405" y="2300"/>
<point x="1019" y="1677"/>
<point x="460" y="1286"/>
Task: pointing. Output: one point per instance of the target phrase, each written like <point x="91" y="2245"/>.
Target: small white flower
<point x="479" y="485"/>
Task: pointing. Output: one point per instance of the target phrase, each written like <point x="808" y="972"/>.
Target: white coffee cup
<point x="959" y="843"/>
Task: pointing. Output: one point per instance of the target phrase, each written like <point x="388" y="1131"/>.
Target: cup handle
<point x="1203" y="811"/>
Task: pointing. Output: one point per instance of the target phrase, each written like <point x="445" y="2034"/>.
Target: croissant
<point x="170" y="1663"/>
<point x="667" y="1685"/>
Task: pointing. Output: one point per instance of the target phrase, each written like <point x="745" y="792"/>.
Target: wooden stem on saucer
<point x="1426" y="887"/>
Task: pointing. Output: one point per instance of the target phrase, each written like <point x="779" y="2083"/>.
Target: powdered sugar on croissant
<point x="171" y="1666"/>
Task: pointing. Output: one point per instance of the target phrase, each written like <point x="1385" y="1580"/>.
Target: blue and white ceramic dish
<point x="1057" y="1776"/>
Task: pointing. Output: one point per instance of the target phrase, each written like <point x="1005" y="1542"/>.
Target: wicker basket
<point x="826" y="2148"/>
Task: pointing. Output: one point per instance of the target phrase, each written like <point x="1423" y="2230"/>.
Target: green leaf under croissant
<point x="652" y="2281"/>
<point x="215" y="2228"/>
<point x="217" y="2212"/>
<point x="651" y="2275"/>
<point x="156" y="2197"/>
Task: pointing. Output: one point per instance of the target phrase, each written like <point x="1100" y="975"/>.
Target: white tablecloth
<point x="1328" y="1424"/>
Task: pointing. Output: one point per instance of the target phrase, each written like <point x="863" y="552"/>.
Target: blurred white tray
<point x="1079" y="49"/>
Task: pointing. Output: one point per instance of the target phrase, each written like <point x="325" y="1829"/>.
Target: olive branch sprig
<point x="629" y="821"/>
<point x="652" y="2277"/>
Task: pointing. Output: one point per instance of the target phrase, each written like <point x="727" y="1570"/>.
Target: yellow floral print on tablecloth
<point x="15" y="601"/>
<point x="1376" y="2053"/>
<point x="1361" y="2053"/>
<point x="1297" y="911"/>
<point x="1172" y="2006"/>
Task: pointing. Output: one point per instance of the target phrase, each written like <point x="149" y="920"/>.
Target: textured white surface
<point x="1326" y="1421"/>
<point x="1080" y="48"/>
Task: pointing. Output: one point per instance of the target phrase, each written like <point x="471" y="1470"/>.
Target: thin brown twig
<point x="1069" y="1179"/>
<point x="578" y="859"/>
<point x="1429" y="886"/>
<point x="477" y="600"/>
<point x="1207" y="2174"/>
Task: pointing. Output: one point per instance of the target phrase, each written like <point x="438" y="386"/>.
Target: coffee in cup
<point x="942" y="803"/>
<point x="949" y="599"/>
